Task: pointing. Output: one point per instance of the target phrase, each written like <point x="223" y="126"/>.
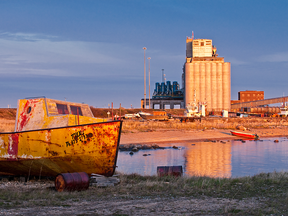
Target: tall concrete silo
<point x="189" y="81"/>
<point x="208" y="92"/>
<point x="219" y="82"/>
<point x="207" y="75"/>
<point x="197" y="81"/>
<point x="213" y="87"/>
<point x="202" y="96"/>
<point x="226" y="85"/>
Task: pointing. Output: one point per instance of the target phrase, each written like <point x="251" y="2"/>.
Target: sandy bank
<point x="168" y="136"/>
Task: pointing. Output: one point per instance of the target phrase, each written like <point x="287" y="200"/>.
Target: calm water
<point x="215" y="159"/>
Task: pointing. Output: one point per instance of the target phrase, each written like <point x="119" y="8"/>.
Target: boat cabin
<point x="41" y="113"/>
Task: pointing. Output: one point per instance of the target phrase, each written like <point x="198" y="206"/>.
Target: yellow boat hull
<point x="90" y="148"/>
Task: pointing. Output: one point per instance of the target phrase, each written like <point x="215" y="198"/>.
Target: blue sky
<point x="91" y="51"/>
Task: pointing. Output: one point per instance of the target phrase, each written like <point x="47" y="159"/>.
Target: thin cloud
<point x="19" y="36"/>
<point x="22" y="50"/>
<point x="276" y="57"/>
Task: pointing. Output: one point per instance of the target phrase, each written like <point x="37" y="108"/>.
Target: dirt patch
<point x="143" y="206"/>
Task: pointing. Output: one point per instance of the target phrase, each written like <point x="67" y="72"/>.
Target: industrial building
<point x="205" y="80"/>
<point x="245" y="96"/>
<point x="207" y="77"/>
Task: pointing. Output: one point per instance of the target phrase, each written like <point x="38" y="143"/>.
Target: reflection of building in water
<point x="209" y="159"/>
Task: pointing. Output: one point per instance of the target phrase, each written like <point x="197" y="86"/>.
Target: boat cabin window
<point x="62" y="109"/>
<point x="76" y="110"/>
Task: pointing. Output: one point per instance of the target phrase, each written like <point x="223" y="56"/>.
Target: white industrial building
<point x="206" y="77"/>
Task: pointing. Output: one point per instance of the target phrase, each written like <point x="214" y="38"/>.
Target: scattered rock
<point x="240" y="127"/>
<point x="146" y="146"/>
<point x="145" y="155"/>
<point x="175" y="147"/>
<point x="243" y="141"/>
<point x="193" y="144"/>
<point x="22" y="179"/>
<point x="155" y="146"/>
<point x="276" y="141"/>
<point x="102" y="181"/>
<point x="131" y="153"/>
<point x="137" y="147"/>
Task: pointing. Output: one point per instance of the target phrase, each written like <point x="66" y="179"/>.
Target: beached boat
<point x="245" y="134"/>
<point x="53" y="137"/>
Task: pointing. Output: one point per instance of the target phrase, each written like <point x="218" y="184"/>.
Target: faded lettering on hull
<point x="90" y="148"/>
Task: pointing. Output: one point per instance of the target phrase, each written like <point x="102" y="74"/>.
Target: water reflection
<point x="208" y="159"/>
<point x="213" y="159"/>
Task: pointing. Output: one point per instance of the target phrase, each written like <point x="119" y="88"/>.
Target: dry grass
<point x="269" y="189"/>
<point x="6" y="125"/>
<point x="205" y="123"/>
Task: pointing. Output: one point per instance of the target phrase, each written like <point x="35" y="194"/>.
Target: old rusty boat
<point x="53" y="137"/>
<point x="244" y="134"/>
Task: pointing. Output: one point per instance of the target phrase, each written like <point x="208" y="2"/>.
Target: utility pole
<point x="149" y="81"/>
<point x="144" y="48"/>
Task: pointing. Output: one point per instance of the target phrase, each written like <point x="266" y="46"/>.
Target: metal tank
<point x="168" y="88"/>
<point x="163" y="88"/>
<point x="175" y="86"/>
<point x="157" y="88"/>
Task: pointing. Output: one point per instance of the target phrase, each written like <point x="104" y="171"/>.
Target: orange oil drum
<point x="72" y="181"/>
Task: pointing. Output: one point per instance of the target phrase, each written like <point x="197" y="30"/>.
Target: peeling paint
<point x="24" y="156"/>
<point x="1" y="143"/>
<point x="92" y="147"/>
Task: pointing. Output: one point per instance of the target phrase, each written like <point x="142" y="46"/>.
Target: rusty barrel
<point x="169" y="170"/>
<point x="72" y="181"/>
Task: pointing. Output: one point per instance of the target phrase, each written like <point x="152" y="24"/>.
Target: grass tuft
<point x="271" y="189"/>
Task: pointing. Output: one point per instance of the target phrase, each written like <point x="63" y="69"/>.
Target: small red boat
<point x="244" y="134"/>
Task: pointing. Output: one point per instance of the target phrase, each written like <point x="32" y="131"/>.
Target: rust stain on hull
<point x="90" y="148"/>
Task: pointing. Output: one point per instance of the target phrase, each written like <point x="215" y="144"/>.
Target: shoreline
<point x="184" y="136"/>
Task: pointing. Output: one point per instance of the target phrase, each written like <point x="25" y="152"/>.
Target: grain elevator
<point x="206" y="77"/>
